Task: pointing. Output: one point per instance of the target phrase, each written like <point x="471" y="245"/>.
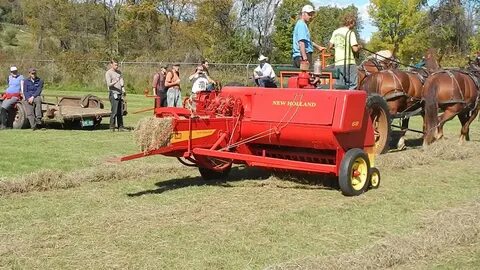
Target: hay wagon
<point x="85" y="112"/>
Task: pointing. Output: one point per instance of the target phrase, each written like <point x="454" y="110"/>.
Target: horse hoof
<point x="401" y="144"/>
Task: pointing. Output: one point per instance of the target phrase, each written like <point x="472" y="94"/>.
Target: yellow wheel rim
<point x="359" y="174"/>
<point x="375" y="179"/>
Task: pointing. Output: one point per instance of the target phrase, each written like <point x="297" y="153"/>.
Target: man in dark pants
<point x="12" y="95"/>
<point x="158" y="87"/>
<point x="33" y="87"/>
<point x="116" y="89"/>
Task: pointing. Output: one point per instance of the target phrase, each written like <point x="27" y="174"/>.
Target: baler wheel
<point x="378" y="109"/>
<point x="374" y="182"/>
<point x="212" y="175"/>
<point x="354" y="172"/>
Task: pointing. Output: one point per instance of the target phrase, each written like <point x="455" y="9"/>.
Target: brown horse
<point x="370" y="66"/>
<point x="455" y="92"/>
<point x="403" y="92"/>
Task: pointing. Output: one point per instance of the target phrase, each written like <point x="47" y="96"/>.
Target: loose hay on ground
<point x="442" y="150"/>
<point x="52" y="179"/>
<point x="152" y="133"/>
<point x="442" y="229"/>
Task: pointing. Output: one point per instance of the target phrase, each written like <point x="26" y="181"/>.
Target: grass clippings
<point x="45" y="180"/>
<point x="152" y="133"/>
<point x="442" y="150"/>
<point x="440" y="231"/>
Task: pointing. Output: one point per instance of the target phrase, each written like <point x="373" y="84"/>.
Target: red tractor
<point x="290" y="129"/>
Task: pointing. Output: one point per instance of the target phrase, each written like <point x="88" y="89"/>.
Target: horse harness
<point x="396" y="91"/>
<point x="454" y="82"/>
<point x="475" y="80"/>
<point x="375" y="63"/>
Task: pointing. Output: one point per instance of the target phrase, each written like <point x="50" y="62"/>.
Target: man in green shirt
<point x="345" y="43"/>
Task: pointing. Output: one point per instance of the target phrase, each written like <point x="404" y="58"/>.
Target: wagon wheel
<point x="20" y="119"/>
<point x="378" y="110"/>
<point x="354" y="172"/>
<point x="374" y="182"/>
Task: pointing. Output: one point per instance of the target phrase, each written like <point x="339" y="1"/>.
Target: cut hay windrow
<point x="447" y="150"/>
<point x="45" y="180"/>
<point x="441" y="231"/>
<point x="152" y="133"/>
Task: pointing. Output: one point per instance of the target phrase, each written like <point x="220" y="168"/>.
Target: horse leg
<point x="401" y="141"/>
<point x="466" y="120"/>
<point x="448" y="115"/>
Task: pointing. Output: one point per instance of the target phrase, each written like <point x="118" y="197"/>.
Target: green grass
<point x="174" y="220"/>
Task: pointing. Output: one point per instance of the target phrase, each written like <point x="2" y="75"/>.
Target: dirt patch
<point x="442" y="150"/>
<point x="52" y="179"/>
<point x="440" y="231"/>
<point x="152" y="133"/>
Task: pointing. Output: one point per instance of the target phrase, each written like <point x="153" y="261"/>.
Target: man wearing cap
<point x="263" y="74"/>
<point x="158" y="87"/>
<point x="33" y="91"/>
<point x="12" y="95"/>
<point x="302" y="47"/>
<point x="116" y="89"/>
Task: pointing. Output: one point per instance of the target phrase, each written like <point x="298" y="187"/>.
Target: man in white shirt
<point x="263" y="74"/>
<point x="201" y="82"/>
<point x="345" y="43"/>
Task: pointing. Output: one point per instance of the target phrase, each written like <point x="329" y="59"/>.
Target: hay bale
<point x="152" y="133"/>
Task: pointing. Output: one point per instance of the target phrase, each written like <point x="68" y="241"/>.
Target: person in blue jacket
<point x="33" y="87"/>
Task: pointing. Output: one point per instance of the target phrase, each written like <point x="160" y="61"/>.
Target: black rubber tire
<point x="377" y="106"/>
<point x="346" y="170"/>
<point x="374" y="175"/>
<point x="211" y="175"/>
<point x="20" y="120"/>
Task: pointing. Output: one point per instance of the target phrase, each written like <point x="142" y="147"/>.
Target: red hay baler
<point x="293" y="129"/>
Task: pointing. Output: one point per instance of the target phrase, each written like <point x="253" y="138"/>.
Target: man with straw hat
<point x="263" y="74"/>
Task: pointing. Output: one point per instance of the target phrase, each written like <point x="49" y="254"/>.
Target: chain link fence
<point x="89" y="75"/>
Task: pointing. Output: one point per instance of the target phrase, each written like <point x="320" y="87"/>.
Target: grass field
<point x="63" y="206"/>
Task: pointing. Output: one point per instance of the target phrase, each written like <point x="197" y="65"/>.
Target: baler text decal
<point x="310" y="104"/>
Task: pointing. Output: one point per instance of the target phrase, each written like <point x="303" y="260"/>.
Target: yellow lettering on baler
<point x="181" y="136"/>
<point x="308" y="104"/>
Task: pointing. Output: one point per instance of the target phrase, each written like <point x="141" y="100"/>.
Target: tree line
<point x="229" y="31"/>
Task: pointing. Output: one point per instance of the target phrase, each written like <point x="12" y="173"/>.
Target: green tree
<point x="448" y="26"/>
<point x="397" y="20"/>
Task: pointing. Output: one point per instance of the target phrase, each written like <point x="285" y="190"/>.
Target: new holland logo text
<point x="309" y="104"/>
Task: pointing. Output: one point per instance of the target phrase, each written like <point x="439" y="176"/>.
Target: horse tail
<point x="430" y="90"/>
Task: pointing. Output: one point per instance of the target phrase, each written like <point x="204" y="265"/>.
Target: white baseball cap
<point x="13" y="68"/>
<point x="262" y="58"/>
<point x="308" y="9"/>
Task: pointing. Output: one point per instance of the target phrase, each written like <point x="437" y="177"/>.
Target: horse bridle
<point x="375" y="62"/>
